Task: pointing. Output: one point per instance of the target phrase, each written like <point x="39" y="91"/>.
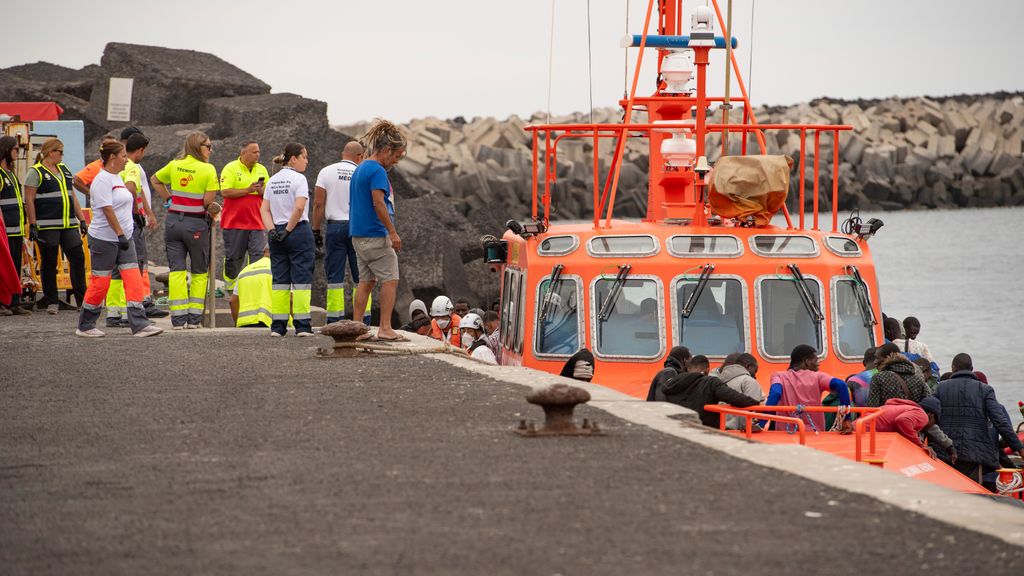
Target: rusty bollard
<point x="558" y="401"/>
<point x="344" y="333"/>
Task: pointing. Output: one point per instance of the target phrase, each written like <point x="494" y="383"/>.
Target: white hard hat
<point x="473" y="321"/>
<point x="441" y="306"/>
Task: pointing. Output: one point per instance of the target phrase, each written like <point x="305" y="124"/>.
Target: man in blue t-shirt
<point x="371" y="225"/>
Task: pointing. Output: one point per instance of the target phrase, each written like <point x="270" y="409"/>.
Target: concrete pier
<point x="226" y="451"/>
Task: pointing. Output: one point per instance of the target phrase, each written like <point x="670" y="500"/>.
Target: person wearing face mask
<point x="193" y="186"/>
<point x="472" y="331"/>
<point x="444" y="324"/>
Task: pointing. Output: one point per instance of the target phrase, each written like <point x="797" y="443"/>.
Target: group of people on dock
<point x="956" y="412"/>
<point x="270" y="239"/>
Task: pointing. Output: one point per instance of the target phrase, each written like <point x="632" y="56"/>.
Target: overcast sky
<point x="403" y="59"/>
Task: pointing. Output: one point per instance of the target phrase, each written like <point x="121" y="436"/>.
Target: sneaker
<point x="5" y="311"/>
<point x="276" y="335"/>
<point x="182" y="327"/>
<point x="193" y="326"/>
<point x="91" y="333"/>
<point x="151" y="330"/>
<point x="19" y="311"/>
<point x="52" y="310"/>
<point x="304" y="334"/>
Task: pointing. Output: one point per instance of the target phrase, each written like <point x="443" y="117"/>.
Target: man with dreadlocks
<point x="371" y="223"/>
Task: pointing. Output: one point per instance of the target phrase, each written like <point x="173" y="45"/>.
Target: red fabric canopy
<point x="31" y="111"/>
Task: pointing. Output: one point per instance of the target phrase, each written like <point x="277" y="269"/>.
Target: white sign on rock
<point x="119" y="100"/>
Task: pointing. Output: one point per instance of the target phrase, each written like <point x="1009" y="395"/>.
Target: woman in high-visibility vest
<point x="55" y="221"/>
<point x="12" y="206"/>
<point x="193" y="186"/>
<point x="111" y="248"/>
<point x="285" y="211"/>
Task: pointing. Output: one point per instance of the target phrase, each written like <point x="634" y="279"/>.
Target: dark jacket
<point x="694" y="391"/>
<point x="968" y="406"/>
<point x="886" y="383"/>
<point x="672" y="369"/>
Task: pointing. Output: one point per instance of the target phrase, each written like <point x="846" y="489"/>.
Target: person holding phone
<point x="241" y="185"/>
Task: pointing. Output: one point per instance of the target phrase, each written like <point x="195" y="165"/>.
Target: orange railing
<point x="866" y="421"/>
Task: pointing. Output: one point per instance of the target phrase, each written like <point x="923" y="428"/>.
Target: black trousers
<point x="16" y="243"/>
<point x="68" y="240"/>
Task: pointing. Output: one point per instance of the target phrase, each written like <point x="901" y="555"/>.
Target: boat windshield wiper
<point x="702" y="282"/>
<point x="860" y="288"/>
<point x="609" y="302"/>
<point x="809" y="302"/>
<point x="545" y="306"/>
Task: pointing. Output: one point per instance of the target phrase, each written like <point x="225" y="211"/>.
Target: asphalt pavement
<point x="228" y="452"/>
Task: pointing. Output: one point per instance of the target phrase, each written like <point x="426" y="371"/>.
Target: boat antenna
<point x="590" y="66"/>
<point x="750" y="58"/>
<point x="551" y="57"/>
<point x="728" y="80"/>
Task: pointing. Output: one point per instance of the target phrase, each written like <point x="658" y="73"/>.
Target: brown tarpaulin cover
<point x="749" y="186"/>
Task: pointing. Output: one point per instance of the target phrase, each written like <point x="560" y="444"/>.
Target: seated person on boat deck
<point x="694" y="389"/>
<point x="802" y="384"/>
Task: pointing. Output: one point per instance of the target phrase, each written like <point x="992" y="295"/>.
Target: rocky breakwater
<point x="180" y="91"/>
<point x="950" y="152"/>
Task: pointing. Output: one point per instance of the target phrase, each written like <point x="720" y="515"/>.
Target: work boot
<point x="153" y="312"/>
<point x="114" y="322"/>
<point x="17" y="310"/>
<point x="5" y="311"/>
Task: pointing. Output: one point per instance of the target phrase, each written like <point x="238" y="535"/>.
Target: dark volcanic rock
<point x="241" y="114"/>
<point x="170" y="85"/>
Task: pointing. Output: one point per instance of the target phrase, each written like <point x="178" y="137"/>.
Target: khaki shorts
<point x="377" y="259"/>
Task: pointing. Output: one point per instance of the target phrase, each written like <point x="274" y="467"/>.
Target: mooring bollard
<point x="344" y="334"/>
<point x="558" y="401"/>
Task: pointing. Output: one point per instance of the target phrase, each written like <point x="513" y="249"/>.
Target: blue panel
<point x="72" y="134"/>
<point x="654" y="41"/>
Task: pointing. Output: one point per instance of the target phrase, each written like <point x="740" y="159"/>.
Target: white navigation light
<point x="677" y="69"/>
<point x="702" y="31"/>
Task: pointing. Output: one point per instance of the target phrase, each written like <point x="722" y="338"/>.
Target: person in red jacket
<point x="912" y="420"/>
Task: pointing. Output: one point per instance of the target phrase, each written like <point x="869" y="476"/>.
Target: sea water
<point x="961" y="273"/>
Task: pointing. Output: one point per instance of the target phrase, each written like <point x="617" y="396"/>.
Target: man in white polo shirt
<point x="331" y="196"/>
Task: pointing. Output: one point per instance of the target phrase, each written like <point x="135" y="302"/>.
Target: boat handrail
<point x="554" y="133"/>
<point x="751" y="416"/>
<point x="858" y="430"/>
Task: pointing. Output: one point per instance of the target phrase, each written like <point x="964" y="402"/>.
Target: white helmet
<point x="441" y="306"/>
<point x="473" y="321"/>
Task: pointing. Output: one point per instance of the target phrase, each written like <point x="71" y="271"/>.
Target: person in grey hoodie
<point x="738" y="371"/>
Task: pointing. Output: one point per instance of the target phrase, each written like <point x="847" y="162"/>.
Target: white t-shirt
<point x="335" y="179"/>
<point x="109" y="190"/>
<point x="484" y="354"/>
<point x="282" y="190"/>
<point x="145" y="185"/>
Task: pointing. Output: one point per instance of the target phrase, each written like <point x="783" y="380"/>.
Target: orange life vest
<point x="454" y="336"/>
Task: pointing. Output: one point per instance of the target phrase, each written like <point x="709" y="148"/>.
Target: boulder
<point x="242" y="115"/>
<point x="170" y="85"/>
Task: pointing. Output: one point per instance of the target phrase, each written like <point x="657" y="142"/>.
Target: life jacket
<point x="55" y="207"/>
<point x="453" y="338"/>
<point x="11" y="204"/>
<point x="254" y="300"/>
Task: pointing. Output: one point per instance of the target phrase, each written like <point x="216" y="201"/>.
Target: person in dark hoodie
<point x="675" y="363"/>
<point x="897" y="377"/>
<point x="693" y="390"/>
<point x="580" y="366"/>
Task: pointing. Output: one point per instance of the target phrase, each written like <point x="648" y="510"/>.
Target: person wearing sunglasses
<point x="193" y="187"/>
<point x="55" y="221"/>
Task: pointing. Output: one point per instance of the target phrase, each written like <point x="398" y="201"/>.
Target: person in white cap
<point x="472" y="330"/>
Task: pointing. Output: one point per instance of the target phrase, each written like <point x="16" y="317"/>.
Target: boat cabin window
<point x="715" y="326"/>
<point x="852" y="337"/>
<point x="722" y="246"/>
<point x="558" y="319"/>
<point x="782" y="245"/>
<point x="785" y="320"/>
<point x="631" y="324"/>
<point x="609" y="246"/>
<point x="510" y="306"/>
<point x="842" y="246"/>
<point x="558" y="245"/>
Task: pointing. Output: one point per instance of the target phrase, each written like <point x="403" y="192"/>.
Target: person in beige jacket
<point x="738" y="371"/>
